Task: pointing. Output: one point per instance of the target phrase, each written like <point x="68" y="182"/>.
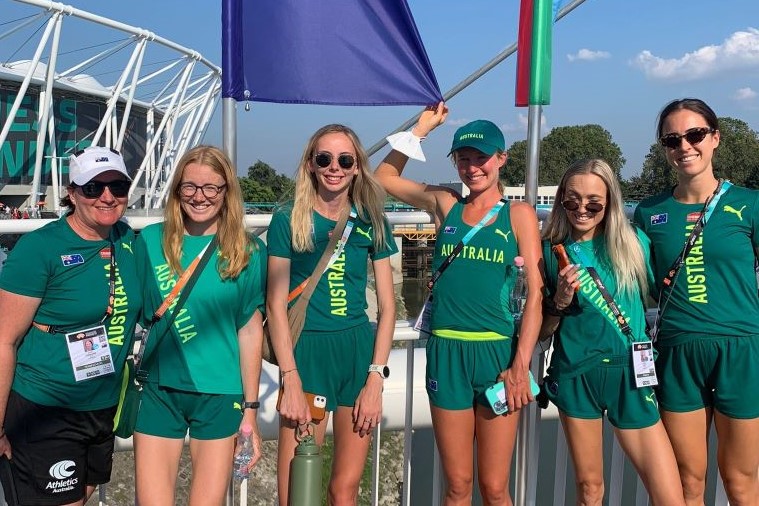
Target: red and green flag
<point x="534" y="52"/>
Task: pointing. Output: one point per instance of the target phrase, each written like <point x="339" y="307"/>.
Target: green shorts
<point x="335" y="364"/>
<point x="169" y="413"/>
<point x="715" y="372"/>
<point x="609" y="389"/>
<point x="459" y="371"/>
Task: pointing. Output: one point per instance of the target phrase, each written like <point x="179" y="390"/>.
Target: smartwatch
<point x="380" y="369"/>
<point x="249" y="405"/>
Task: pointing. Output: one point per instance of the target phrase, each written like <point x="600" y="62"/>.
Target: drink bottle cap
<point x="519" y="261"/>
<point x="246" y="429"/>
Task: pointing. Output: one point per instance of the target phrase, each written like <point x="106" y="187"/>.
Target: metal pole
<point x="533" y="154"/>
<point x="229" y="128"/>
<point x="472" y="78"/>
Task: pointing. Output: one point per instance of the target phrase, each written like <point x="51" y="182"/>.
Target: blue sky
<point x="615" y="64"/>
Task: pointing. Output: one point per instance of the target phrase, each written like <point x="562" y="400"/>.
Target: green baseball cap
<point x="480" y="134"/>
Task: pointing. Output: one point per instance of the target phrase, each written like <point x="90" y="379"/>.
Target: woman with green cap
<point x="472" y="341"/>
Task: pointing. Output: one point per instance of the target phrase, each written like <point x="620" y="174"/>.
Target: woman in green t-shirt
<point x="601" y="363"/>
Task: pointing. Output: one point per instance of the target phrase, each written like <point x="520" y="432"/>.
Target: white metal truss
<point x="176" y="116"/>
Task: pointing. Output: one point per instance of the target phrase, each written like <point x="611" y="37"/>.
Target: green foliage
<point x="736" y="158"/>
<point x="559" y="149"/>
<point x="263" y="184"/>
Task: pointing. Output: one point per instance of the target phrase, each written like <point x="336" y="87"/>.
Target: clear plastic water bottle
<point x="244" y="454"/>
<point x="519" y="293"/>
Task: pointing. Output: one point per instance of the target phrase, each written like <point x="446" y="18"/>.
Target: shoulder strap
<point x="197" y="268"/>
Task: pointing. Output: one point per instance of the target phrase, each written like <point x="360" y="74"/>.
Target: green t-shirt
<point x="715" y="292"/>
<point x="339" y="300"/>
<point x="472" y="295"/>
<point x="71" y="276"/>
<point x="201" y="354"/>
<point x="589" y="336"/>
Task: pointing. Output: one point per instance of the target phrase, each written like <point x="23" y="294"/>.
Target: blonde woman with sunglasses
<point x="339" y="356"/>
<point x="602" y="365"/>
<point x="708" y="338"/>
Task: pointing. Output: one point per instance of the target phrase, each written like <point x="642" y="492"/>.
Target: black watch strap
<point x="249" y="405"/>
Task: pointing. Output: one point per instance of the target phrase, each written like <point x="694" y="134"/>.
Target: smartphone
<point x="496" y="395"/>
<point x="561" y="257"/>
<point x="317" y="404"/>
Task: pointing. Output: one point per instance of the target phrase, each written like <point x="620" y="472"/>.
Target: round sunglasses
<point x="574" y="205"/>
<point x="692" y="135"/>
<point x="323" y="159"/>
<point x="94" y="189"/>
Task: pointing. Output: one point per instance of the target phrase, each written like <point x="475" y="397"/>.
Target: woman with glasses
<point x="704" y="234"/>
<point x="602" y="360"/>
<point x="204" y="364"/>
<point x="71" y="281"/>
<point x="338" y="355"/>
<point x="473" y="343"/>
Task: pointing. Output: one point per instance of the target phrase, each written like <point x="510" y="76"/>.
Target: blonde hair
<point x="365" y="193"/>
<point x="624" y="252"/>
<point x="234" y="244"/>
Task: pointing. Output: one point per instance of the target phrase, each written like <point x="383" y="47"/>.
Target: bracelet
<point x="282" y="374"/>
<point x="549" y="308"/>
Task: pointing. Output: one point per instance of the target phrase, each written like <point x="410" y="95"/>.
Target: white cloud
<point x="457" y="122"/>
<point x="588" y="55"/>
<point x="744" y="94"/>
<point x="520" y="127"/>
<point x="739" y="51"/>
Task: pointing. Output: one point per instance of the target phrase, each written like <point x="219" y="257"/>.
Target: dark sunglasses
<point x="693" y="136"/>
<point x="324" y="160"/>
<point x="574" y="205"/>
<point x="94" y="189"/>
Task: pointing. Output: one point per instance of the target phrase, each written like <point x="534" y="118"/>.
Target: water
<point x="245" y="455"/>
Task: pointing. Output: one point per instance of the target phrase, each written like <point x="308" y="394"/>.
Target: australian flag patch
<point x="659" y="219"/>
<point x="449" y="230"/>
<point x="69" y="260"/>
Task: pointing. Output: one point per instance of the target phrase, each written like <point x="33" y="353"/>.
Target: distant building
<point x="545" y="196"/>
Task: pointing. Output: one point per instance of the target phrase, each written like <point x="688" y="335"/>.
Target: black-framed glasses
<point x="94" y="189"/>
<point x="209" y="191"/>
<point x="692" y="135"/>
<point x="574" y="205"/>
<point x="323" y="160"/>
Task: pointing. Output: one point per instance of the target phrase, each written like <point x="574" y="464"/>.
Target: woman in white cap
<point x="472" y="344"/>
<point x="71" y="280"/>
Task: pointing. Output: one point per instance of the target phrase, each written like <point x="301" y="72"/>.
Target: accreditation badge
<point x="422" y="324"/>
<point x="643" y="364"/>
<point x="90" y="353"/>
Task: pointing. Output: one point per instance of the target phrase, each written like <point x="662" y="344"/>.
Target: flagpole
<point x="471" y="78"/>
<point x="229" y="128"/>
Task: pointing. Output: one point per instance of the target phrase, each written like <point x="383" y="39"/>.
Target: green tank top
<point x="471" y="298"/>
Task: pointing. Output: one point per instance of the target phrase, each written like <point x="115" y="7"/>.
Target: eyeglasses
<point x="692" y="135"/>
<point x="324" y="159"/>
<point x="209" y="191"/>
<point x="574" y="205"/>
<point x="94" y="189"/>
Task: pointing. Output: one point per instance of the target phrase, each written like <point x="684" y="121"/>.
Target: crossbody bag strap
<point x="184" y="284"/>
<point x="334" y="249"/>
<point x="463" y="242"/>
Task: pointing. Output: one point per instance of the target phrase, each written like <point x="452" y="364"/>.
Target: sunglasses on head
<point x="574" y="205"/>
<point x="323" y="159"/>
<point x="693" y="136"/>
<point x="94" y="189"/>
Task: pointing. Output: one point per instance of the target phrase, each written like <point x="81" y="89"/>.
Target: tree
<point x="559" y="149"/>
<point x="263" y="184"/>
<point x="736" y="158"/>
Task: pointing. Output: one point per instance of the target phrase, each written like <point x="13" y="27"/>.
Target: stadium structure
<point x="127" y="88"/>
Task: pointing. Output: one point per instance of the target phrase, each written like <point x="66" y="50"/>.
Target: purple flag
<point x="340" y="52"/>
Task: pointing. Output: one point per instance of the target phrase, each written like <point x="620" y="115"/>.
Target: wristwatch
<point x="249" y="405"/>
<point x="380" y="369"/>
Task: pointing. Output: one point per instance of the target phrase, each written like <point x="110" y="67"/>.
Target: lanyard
<point x="671" y="277"/>
<point x="463" y="242"/>
<point x="335" y="255"/>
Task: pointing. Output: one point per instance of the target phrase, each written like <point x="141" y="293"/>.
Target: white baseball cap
<point x="88" y="163"/>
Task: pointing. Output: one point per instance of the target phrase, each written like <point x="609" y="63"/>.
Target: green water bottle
<point x="306" y="472"/>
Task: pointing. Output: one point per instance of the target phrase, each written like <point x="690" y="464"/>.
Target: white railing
<point x="541" y="452"/>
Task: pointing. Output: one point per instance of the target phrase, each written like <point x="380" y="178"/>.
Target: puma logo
<point x="737" y="212"/>
<point x="652" y="399"/>
<point x="128" y="247"/>
<point x="505" y="236"/>
<point x="365" y="234"/>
